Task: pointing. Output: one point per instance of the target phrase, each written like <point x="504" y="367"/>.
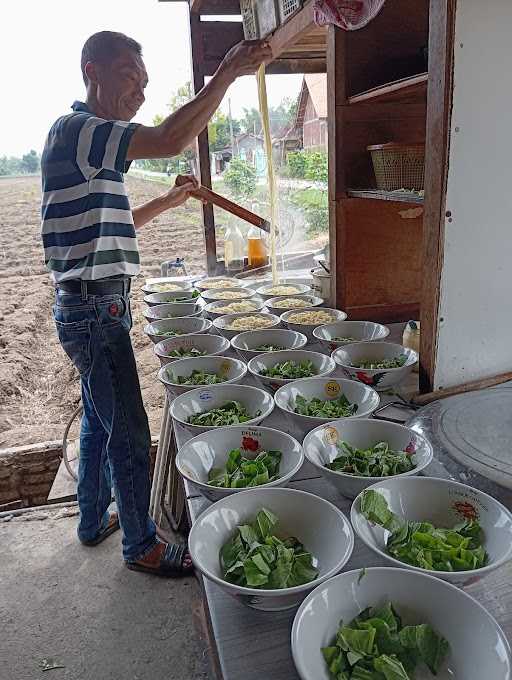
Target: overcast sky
<point x="40" y="47"/>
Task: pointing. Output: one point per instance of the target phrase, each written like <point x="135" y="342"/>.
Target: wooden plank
<point x="440" y="87"/>
<point x="394" y="313"/>
<point x="484" y="383"/>
<point x="203" y="147"/>
<point x="291" y="32"/>
<point x="382" y="253"/>
<point x="336" y="85"/>
<point x="397" y="90"/>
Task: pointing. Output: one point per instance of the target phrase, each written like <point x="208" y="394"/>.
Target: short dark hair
<point x="104" y="46"/>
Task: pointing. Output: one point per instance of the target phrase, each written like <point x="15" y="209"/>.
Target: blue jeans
<point x="114" y="439"/>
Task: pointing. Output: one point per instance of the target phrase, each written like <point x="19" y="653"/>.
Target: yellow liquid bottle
<point x="257" y="254"/>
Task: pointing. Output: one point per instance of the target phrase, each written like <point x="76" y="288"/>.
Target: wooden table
<point x="254" y="645"/>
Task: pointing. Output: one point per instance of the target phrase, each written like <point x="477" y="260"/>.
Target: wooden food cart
<point x="421" y="71"/>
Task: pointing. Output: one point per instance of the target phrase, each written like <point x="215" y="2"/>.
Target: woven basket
<point x="398" y="166"/>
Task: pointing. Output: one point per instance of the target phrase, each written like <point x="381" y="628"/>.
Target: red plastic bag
<point x="347" y="14"/>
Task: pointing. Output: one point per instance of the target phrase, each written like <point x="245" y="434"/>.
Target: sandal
<point x="170" y="564"/>
<point x="113" y="525"/>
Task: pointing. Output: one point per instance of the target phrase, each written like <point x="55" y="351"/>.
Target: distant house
<point x="248" y="146"/>
<point x="311" y="119"/>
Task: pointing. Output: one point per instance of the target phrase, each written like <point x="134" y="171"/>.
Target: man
<point x="90" y="244"/>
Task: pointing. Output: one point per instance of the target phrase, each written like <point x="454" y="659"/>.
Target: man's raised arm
<point x="179" y="129"/>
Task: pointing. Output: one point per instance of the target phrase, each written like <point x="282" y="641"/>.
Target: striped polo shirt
<point x="87" y="224"/>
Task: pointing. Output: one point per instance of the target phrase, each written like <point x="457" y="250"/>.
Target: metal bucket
<point x="322" y="284"/>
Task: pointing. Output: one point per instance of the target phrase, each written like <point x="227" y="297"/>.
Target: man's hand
<point x="245" y="58"/>
<point x="180" y="194"/>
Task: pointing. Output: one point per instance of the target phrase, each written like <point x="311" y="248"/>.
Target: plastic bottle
<point x="234" y="249"/>
<point x="411" y="338"/>
<point x="257" y="254"/>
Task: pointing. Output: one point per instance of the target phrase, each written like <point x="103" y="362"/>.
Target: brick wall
<point x="27" y="472"/>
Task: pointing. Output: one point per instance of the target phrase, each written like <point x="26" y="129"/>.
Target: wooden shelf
<point x="403" y="196"/>
<point x="406" y="88"/>
<point x="299" y="37"/>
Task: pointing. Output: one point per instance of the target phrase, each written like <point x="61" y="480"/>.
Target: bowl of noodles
<point x="306" y="320"/>
<point x="230" y="325"/>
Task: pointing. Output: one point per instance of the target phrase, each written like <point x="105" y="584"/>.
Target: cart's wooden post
<point x="440" y="67"/>
<point x="203" y="148"/>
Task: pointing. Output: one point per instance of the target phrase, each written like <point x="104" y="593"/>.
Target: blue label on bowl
<point x="205" y="395"/>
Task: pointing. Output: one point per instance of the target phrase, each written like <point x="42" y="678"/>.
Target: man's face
<point x="120" y="85"/>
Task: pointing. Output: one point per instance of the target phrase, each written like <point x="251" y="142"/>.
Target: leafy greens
<point x="423" y="545"/>
<point x="334" y="408"/>
<point x="377" y="461"/>
<point x="290" y="370"/>
<point x="397" y="362"/>
<point x="232" y="413"/>
<point x="197" y="377"/>
<point x="256" y="558"/>
<point x="187" y="352"/>
<point x="268" y="348"/>
<point x="375" y="646"/>
<point x="240" y="472"/>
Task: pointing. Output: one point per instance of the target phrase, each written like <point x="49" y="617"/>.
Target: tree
<point x="281" y="117"/>
<point x="219" y="134"/>
<point x="240" y="177"/>
<point x="30" y="162"/>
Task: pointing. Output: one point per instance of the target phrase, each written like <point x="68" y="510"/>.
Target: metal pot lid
<point x="472" y="438"/>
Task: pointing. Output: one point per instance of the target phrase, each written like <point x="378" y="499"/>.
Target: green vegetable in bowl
<point x="170" y="333"/>
<point x="377" y="461"/>
<point x="338" y="339"/>
<point x="187" y="352"/>
<point x="397" y="362"/>
<point x="196" y="378"/>
<point x="290" y="369"/>
<point x="232" y="413"/>
<point x="256" y="558"/>
<point x="376" y="646"/>
<point x="267" y="348"/>
<point x="240" y="472"/>
<point x="334" y="408"/>
<point x="421" y="544"/>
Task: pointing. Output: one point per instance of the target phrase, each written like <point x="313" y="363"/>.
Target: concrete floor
<point x="82" y="609"/>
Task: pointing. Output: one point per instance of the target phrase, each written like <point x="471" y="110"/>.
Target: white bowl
<point x="326" y="389"/>
<point x="323" y="365"/>
<point x="172" y="310"/>
<point x="211" y="345"/>
<point x="308" y="329"/>
<point x="222" y="322"/>
<point x="210" y="450"/>
<point x="319" y="525"/>
<point x="173" y="286"/>
<point x="245" y="342"/>
<point x="187" y="325"/>
<point x="215" y="281"/>
<point x="254" y="399"/>
<point x="211" y="309"/>
<point x="266" y="290"/>
<point x="242" y="294"/>
<point x="443" y="503"/>
<point x="478" y="646"/>
<point x="182" y="296"/>
<point x="320" y="448"/>
<point x="312" y="301"/>
<point x="378" y="378"/>
<point x="233" y="370"/>
<point x="361" y="331"/>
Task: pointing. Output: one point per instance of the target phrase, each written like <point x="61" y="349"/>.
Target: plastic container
<point x="234" y="248"/>
<point x="257" y="254"/>
<point x="321" y="285"/>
